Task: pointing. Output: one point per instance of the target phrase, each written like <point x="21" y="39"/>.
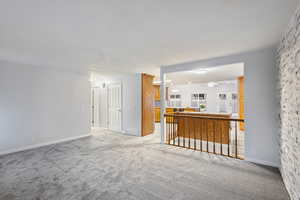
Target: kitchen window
<point x="234" y="103"/>
<point x="175" y="100"/>
<point x="198" y="100"/>
<point x="222" y="103"/>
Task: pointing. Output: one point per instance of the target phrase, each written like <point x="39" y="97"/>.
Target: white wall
<point x="261" y="108"/>
<point x="261" y="104"/>
<point x="131" y="85"/>
<point x="131" y="102"/>
<point x="289" y="96"/>
<point x="185" y="90"/>
<point x="39" y="106"/>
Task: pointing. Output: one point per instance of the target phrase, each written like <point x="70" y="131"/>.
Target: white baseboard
<point x="131" y="132"/>
<point x="263" y="162"/>
<point x="42" y="144"/>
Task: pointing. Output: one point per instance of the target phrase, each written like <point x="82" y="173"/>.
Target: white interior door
<point x="115" y="107"/>
<point x="95" y="118"/>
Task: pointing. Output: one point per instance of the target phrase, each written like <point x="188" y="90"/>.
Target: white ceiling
<point x="112" y="36"/>
<point x="219" y="73"/>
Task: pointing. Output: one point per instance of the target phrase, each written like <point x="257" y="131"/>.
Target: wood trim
<point x="157" y="114"/>
<point x="204" y="116"/>
<point x="148" y="111"/>
<point x="241" y="101"/>
<point x="142" y="100"/>
<point x="156" y="92"/>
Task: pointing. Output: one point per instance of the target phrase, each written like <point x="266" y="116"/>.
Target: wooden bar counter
<point x="204" y="129"/>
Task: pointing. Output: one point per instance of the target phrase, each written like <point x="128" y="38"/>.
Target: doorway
<point x="95" y="118"/>
<point x="115" y="107"/>
<point x="204" y="109"/>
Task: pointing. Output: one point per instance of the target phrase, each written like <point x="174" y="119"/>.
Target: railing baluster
<point x="189" y="131"/>
<point x="236" y="147"/>
<point x="169" y="130"/>
<point x="194" y="134"/>
<point x="201" y="130"/>
<point x="216" y="130"/>
<point x="165" y="130"/>
<point x="228" y="146"/>
<point x="206" y="130"/>
<point x="184" y="129"/>
<point x="172" y="125"/>
<point x="174" y="130"/>
<point x="221" y="133"/>
<point x="178" y="136"/>
<point x="170" y="133"/>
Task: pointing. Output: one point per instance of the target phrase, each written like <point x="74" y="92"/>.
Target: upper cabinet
<point x="156" y="92"/>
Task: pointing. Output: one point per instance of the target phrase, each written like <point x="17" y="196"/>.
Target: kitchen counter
<point x="206" y="113"/>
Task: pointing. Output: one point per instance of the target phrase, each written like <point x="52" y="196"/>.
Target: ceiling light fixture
<point x="200" y="71"/>
<point x="158" y="82"/>
<point x="212" y="84"/>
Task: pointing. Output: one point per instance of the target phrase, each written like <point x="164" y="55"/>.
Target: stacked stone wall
<point x="288" y="63"/>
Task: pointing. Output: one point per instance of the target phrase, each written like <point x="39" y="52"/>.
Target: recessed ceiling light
<point x="212" y="84"/>
<point x="158" y="82"/>
<point x="200" y="71"/>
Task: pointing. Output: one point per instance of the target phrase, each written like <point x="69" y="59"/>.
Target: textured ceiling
<point x="219" y="73"/>
<point x="117" y="36"/>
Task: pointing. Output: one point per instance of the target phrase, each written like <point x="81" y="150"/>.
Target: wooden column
<point x="241" y="102"/>
<point x="147" y="104"/>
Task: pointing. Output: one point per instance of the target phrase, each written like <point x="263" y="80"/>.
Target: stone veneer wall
<point x="289" y="93"/>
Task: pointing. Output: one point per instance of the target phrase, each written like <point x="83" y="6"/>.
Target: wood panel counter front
<point x="204" y="129"/>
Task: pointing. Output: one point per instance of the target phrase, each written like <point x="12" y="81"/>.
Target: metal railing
<point x="215" y="135"/>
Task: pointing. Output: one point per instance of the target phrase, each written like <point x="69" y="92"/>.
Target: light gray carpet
<point x="113" y="166"/>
